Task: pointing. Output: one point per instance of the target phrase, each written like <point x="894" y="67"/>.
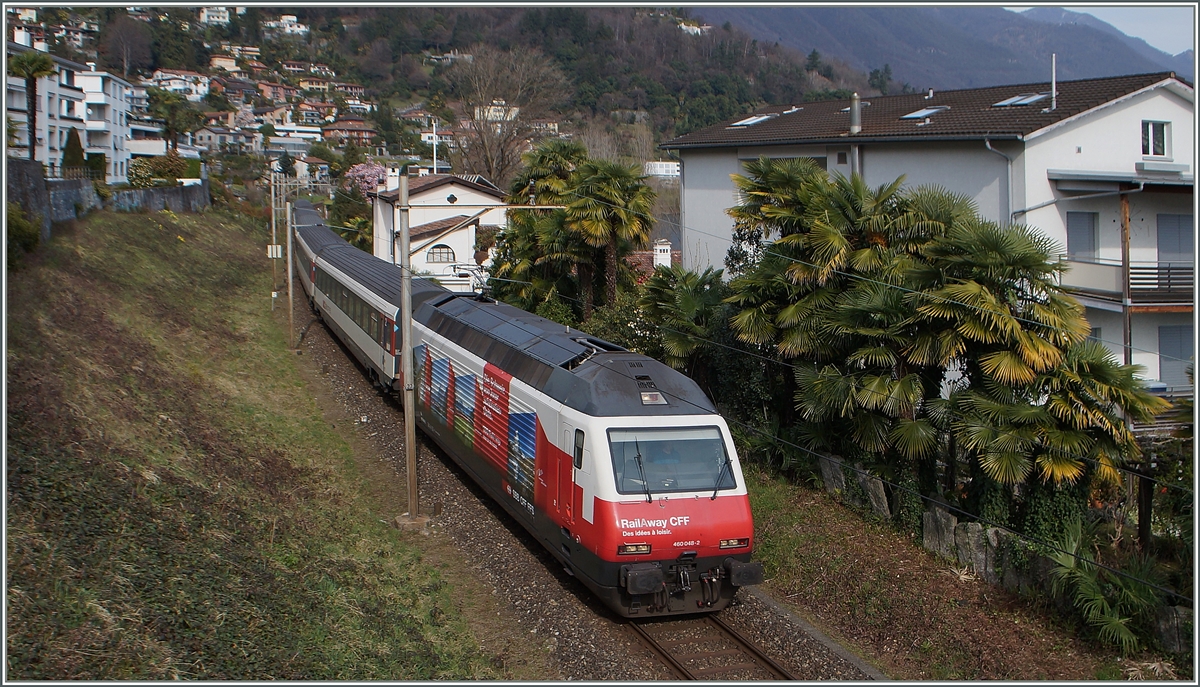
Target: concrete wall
<point x="71" y="198"/>
<point x="176" y="199"/>
<point x="25" y="185"/>
<point x="968" y="168"/>
<point x="707" y="192"/>
<point x="53" y="200"/>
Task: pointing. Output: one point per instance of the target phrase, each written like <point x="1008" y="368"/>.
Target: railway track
<point x="706" y="648"/>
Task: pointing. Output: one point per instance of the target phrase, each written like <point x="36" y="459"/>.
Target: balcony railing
<point x="1149" y="282"/>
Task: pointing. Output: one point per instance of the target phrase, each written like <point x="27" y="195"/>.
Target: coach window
<point x="440" y="253"/>
<point x="579" y="448"/>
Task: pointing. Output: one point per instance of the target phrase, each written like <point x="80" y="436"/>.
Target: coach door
<point x="570" y="458"/>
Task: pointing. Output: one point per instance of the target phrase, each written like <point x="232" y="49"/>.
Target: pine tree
<point x="73" y="151"/>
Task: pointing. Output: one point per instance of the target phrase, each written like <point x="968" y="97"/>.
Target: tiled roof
<point x="971" y="113"/>
<point x="435" y="227"/>
<point x="429" y="181"/>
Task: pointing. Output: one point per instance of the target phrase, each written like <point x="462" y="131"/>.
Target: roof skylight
<point x="925" y="112"/>
<point x="756" y="119"/>
<point x="1023" y="99"/>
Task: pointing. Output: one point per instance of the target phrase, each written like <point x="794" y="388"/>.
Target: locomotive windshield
<point x="669" y="460"/>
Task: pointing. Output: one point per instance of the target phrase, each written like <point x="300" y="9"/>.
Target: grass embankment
<point x="176" y="508"/>
<point x="897" y="605"/>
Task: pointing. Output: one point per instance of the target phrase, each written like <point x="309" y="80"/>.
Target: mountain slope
<point x="940" y="47"/>
<point x="1182" y="63"/>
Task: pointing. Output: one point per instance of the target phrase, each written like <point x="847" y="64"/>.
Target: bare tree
<point x="126" y="42"/>
<point x="503" y="93"/>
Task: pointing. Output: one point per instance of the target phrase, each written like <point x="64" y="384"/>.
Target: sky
<point x="1170" y="29"/>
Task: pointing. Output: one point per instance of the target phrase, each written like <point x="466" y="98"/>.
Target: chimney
<point x="662" y="253"/>
<point x="930" y="96"/>
<point x="855" y="114"/>
<point x="91" y="66"/>
<point x="1053" y="81"/>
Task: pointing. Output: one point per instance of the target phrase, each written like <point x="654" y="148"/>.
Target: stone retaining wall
<point x="175" y="198"/>
<point x="25" y="185"/>
<point x="71" y="198"/>
<point x="986" y="552"/>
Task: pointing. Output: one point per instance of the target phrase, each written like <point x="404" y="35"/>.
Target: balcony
<point x="98" y="125"/>
<point x="146" y="146"/>
<point x="1149" y="282"/>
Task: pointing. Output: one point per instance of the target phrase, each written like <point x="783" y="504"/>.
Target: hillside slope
<point x="175" y="508"/>
<point x="940" y="47"/>
<point x="1181" y="64"/>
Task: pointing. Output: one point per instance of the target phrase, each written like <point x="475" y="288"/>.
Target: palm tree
<point x="612" y="206"/>
<point x="685" y="305"/>
<point x="177" y="114"/>
<point x="536" y="254"/>
<point x="31" y="66"/>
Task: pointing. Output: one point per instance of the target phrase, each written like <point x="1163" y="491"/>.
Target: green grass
<point x="177" y="508"/>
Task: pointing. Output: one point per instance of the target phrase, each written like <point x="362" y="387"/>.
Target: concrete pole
<point x="274" y="276"/>
<point x="1126" y="291"/>
<point x="406" y="353"/>
<point x="290" y="270"/>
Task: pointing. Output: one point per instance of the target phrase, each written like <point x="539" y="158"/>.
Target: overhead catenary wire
<point x="943" y="299"/>
<point x="958" y="416"/>
<point x="894" y="486"/>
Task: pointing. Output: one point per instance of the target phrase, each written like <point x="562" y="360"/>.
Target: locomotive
<point x="618" y="464"/>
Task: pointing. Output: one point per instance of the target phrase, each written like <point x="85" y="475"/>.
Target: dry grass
<point x="175" y="509"/>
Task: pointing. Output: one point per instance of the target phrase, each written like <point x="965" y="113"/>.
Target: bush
<point x="23" y="234"/>
<point x="73" y="151"/>
<point x="170" y="166"/>
<point x="193" y="169"/>
<point x="141" y="173"/>
<point x="626" y="325"/>
<point x="102" y="189"/>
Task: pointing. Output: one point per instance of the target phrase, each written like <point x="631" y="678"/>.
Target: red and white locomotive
<point x="617" y="463"/>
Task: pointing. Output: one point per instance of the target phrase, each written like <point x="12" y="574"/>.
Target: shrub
<point x="141" y="173"/>
<point x="170" y="166"/>
<point x="193" y="168"/>
<point x="23" y="234"/>
<point x="73" y="151"/>
<point x="102" y="189"/>
<point x="625" y="324"/>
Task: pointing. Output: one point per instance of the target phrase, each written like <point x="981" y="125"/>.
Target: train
<point x="618" y="464"/>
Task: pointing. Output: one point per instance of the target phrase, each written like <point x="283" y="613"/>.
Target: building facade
<point x="1104" y="168"/>
<point x="60" y="107"/>
<point x="107" y="117"/>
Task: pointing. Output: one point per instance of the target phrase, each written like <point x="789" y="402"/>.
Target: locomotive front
<point x="680" y="533"/>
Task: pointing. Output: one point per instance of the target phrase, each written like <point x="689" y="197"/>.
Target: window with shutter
<point x="1081" y="235"/>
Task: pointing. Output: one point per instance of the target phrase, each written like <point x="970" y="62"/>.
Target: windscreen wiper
<point x="717" y="486"/>
<point x="642" y="469"/>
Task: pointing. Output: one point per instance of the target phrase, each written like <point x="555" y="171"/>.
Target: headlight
<point x="735" y="543"/>
<point x="630" y="549"/>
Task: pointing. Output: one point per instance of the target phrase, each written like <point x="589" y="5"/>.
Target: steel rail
<point x="733" y="644"/>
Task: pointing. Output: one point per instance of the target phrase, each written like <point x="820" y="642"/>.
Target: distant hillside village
<point x="1103" y="167"/>
<point x="248" y="104"/>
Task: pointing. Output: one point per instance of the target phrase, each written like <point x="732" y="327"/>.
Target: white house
<point x="145" y="132"/>
<point x="60" y="108"/>
<point x="214" y="15"/>
<point x="192" y="85"/>
<point x="287" y="26"/>
<point x="1103" y="167"/>
<point x="107" y="119"/>
<point x="445" y="214"/>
